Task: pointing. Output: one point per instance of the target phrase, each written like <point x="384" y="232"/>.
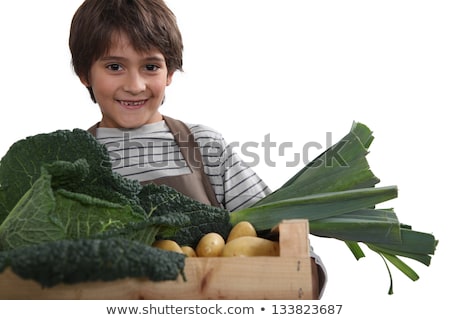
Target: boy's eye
<point x="151" y="67"/>
<point x="114" y="67"/>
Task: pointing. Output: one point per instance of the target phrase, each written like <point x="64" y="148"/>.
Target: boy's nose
<point x="135" y="83"/>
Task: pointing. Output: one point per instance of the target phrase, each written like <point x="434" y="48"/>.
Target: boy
<point x="125" y="52"/>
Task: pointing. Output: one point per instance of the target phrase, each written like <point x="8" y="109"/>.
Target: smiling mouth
<point x="132" y="104"/>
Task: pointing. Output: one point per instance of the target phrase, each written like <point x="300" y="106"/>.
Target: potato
<point x="249" y="246"/>
<point x="169" y="245"/>
<point x="188" y="251"/>
<point x="241" y="229"/>
<point x="210" y="245"/>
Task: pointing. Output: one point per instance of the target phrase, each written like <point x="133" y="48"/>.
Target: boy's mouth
<point x="129" y="104"/>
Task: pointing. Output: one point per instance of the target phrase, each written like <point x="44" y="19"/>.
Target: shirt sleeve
<point x="242" y="186"/>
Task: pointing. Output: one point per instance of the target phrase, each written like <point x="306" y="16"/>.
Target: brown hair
<point x="148" y="24"/>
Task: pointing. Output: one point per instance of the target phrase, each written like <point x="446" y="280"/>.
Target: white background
<point x="295" y="70"/>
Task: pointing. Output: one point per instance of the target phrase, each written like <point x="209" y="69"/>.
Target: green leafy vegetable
<point x="44" y="214"/>
<point x="22" y="164"/>
<point x="81" y="260"/>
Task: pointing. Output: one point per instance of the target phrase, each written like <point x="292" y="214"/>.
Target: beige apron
<point x="195" y="184"/>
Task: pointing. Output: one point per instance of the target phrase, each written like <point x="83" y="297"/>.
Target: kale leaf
<point x="82" y="260"/>
<point x="44" y="214"/>
<point x="21" y="166"/>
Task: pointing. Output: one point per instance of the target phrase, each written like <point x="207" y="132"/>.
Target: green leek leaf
<point x="355" y="248"/>
<point x="312" y="207"/>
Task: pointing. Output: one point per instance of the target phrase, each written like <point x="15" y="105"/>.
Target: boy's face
<point x="129" y="86"/>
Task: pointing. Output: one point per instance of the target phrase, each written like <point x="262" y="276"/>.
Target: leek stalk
<point x="337" y="193"/>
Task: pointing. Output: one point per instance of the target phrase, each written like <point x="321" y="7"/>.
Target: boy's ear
<point x="84" y="81"/>
<point x="169" y="78"/>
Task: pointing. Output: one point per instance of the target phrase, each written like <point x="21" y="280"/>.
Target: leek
<point x="338" y="195"/>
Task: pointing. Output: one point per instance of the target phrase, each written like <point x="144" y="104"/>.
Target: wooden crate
<point x="289" y="276"/>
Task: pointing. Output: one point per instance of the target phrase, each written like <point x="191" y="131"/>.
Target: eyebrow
<point x="119" y="58"/>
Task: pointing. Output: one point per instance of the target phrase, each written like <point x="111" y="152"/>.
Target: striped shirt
<point x="150" y="152"/>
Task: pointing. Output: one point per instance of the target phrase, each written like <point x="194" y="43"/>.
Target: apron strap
<point x="93" y="130"/>
<point x="191" y="153"/>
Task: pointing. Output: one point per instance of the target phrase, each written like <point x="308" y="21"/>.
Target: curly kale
<point x="82" y="260"/>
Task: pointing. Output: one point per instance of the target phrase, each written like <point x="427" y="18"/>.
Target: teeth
<point x="132" y="103"/>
